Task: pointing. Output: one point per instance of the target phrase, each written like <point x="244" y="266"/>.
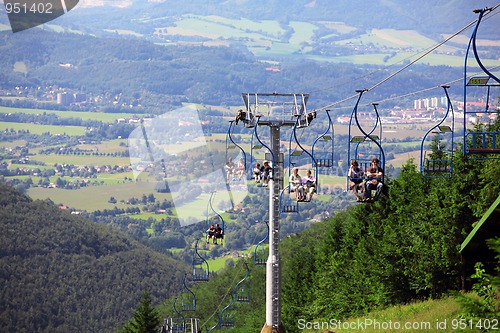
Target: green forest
<point x="62" y="273"/>
<point x="401" y="249"/>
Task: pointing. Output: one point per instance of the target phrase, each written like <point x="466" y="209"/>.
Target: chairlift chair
<point x="481" y="144"/>
<point x="440" y="166"/>
<point x="201" y="269"/>
<point x="242" y="288"/>
<point x="259" y="253"/>
<point x="188" y="299"/>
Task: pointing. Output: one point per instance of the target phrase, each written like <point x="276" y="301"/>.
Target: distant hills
<point x="425" y="16"/>
<point x="166" y="53"/>
<point x="61" y="273"/>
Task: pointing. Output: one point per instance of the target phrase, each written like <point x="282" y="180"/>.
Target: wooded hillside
<point x="61" y="273"/>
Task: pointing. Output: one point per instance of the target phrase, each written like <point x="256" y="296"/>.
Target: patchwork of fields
<point x="121" y="185"/>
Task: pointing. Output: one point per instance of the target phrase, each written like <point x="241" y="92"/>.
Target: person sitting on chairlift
<point x="296" y="185"/>
<point x="240" y="168"/>
<point x="229" y="167"/>
<point x="219" y="233"/>
<point x="257" y="173"/>
<point x="310" y="185"/>
<point x="266" y="170"/>
<point x="211" y="234"/>
<point x="374" y="176"/>
<point x="356" y="180"/>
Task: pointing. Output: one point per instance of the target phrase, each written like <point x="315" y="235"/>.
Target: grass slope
<point x="441" y="315"/>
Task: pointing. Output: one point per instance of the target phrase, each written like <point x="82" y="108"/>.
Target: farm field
<point x="40" y="129"/>
<point x="94" y="198"/>
<point x="82" y="160"/>
<point x="99" y="116"/>
<point x="267" y="38"/>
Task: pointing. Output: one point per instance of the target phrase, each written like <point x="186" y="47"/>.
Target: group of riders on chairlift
<point x="303" y="187"/>
<point x="215" y="233"/>
<point x="361" y="182"/>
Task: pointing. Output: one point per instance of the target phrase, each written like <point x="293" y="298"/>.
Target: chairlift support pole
<point x="273" y="267"/>
<point x="275" y="121"/>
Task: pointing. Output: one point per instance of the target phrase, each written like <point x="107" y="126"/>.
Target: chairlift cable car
<point x="313" y="160"/>
<point x="259" y="254"/>
<point x="293" y="153"/>
<point x="287" y="205"/>
<point x="242" y="288"/>
<point x="254" y="147"/>
<point x="373" y="138"/>
<point x="178" y="323"/>
<point x="188" y="300"/>
<point x="326" y="160"/>
<point x="262" y="143"/>
<point x="484" y="143"/>
<point x="226" y="317"/>
<point x="439" y="166"/>
<point x="230" y="139"/>
<point x="366" y="139"/>
<point x="351" y="138"/>
<point x="201" y="269"/>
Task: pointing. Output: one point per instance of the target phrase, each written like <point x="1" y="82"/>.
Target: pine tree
<point x="146" y="318"/>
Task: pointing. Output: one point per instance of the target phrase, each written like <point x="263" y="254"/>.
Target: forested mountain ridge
<point x="61" y="273"/>
<point x="161" y="77"/>
<point x="160" y="54"/>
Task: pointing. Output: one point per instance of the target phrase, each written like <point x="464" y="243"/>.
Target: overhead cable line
<point x="431" y="88"/>
<point x="410" y="93"/>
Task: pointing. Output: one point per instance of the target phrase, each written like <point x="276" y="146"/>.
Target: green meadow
<point x="82" y="160"/>
<point x="99" y="116"/>
<point x="93" y="198"/>
<point x="12" y="144"/>
<point x="40" y="129"/>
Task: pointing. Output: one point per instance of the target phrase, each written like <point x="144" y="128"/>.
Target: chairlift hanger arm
<point x="210" y="203"/>
<point x="481" y="13"/>
<point x="230" y="137"/>
<point x="262" y="143"/>
<point x="191" y="306"/>
<point x="177" y="311"/>
<point x="298" y="143"/>
<point x="324" y="134"/>
<point x="241" y="284"/>
<point x="260" y="246"/>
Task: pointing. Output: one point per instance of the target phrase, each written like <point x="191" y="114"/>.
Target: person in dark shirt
<point x="374" y="176"/>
